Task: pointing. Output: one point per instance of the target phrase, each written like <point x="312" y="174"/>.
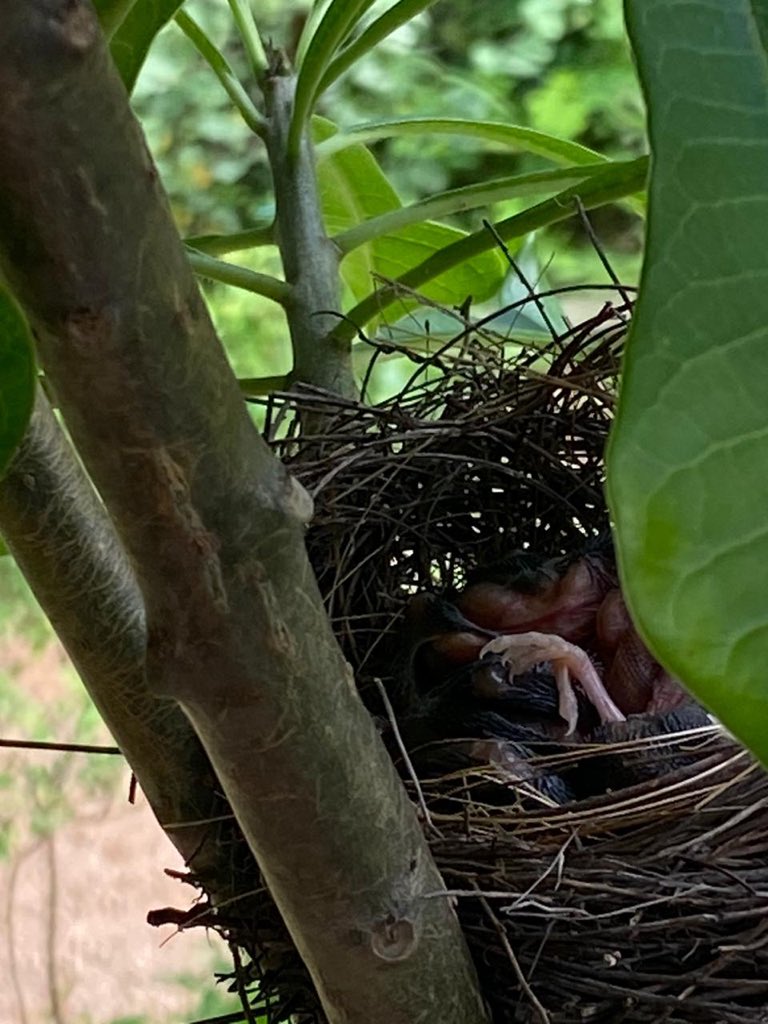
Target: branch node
<point x="394" y="939"/>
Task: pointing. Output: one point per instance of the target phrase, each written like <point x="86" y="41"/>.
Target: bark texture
<point x="212" y="523"/>
<point x="61" y="537"/>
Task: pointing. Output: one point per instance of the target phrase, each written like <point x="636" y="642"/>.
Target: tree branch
<point x="310" y="258"/>
<point x="213" y="524"/>
<point x="62" y="539"/>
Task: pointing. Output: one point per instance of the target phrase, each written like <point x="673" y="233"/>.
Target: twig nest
<point x="644" y="903"/>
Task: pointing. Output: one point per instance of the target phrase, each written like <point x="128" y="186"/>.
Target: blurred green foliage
<point x="561" y="66"/>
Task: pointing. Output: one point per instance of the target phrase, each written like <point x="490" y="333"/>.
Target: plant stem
<point x="239" y="277"/>
<point x="310" y="259"/>
<point x="63" y="541"/>
<point x="220" y="245"/>
<point x="246" y="26"/>
<point x="220" y="67"/>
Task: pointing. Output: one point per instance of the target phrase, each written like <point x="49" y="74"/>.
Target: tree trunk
<point x="212" y="523"/>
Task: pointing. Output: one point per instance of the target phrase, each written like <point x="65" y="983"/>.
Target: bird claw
<point x="522" y="651"/>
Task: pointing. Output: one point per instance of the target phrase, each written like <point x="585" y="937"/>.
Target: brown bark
<point x="213" y="524"/>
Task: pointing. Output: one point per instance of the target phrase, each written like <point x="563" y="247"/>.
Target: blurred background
<point x="79" y="866"/>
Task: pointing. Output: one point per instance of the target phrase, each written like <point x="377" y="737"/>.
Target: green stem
<point x="220" y="67"/>
<point x="392" y="19"/>
<point x="221" y="245"/>
<point x="338" y="19"/>
<point x="510" y="136"/>
<point x="240" y="277"/>
<point x="614" y="183"/>
<point x="246" y="26"/>
<point x="310" y="259"/>
<point x="457" y="200"/>
<point x="254" y="386"/>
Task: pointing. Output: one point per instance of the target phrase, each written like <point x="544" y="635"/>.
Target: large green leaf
<point x="133" y="37"/>
<point x="688" y="460"/>
<point x="353" y="188"/>
<point x="514" y="136"/>
<point x="17" y="377"/>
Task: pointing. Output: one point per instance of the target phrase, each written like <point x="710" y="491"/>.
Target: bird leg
<point x="567" y="705"/>
<point x="522" y="651"/>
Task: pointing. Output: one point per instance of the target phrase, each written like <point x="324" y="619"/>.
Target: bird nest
<point x="645" y="902"/>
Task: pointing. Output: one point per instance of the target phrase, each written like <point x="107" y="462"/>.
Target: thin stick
<point x="77" y="748"/>
<point x="404" y="754"/>
<point x="240" y="983"/>
<point x="544" y="1016"/>
<point x="601" y="254"/>
<point x="523" y="279"/>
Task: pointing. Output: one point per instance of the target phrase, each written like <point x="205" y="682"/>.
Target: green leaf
<point x="613" y="182"/>
<point x="17" y="377"/>
<point x="134" y="35"/>
<point x="335" y="24"/>
<point x="316" y="15"/>
<point x="353" y="188"/>
<point x="469" y="197"/>
<point x="383" y="26"/>
<point x="479" y="276"/>
<point x="512" y="136"/>
<point x="111" y="13"/>
<point x="688" y="459"/>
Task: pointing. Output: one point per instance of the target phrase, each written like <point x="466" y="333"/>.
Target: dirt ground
<point x="74" y="944"/>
